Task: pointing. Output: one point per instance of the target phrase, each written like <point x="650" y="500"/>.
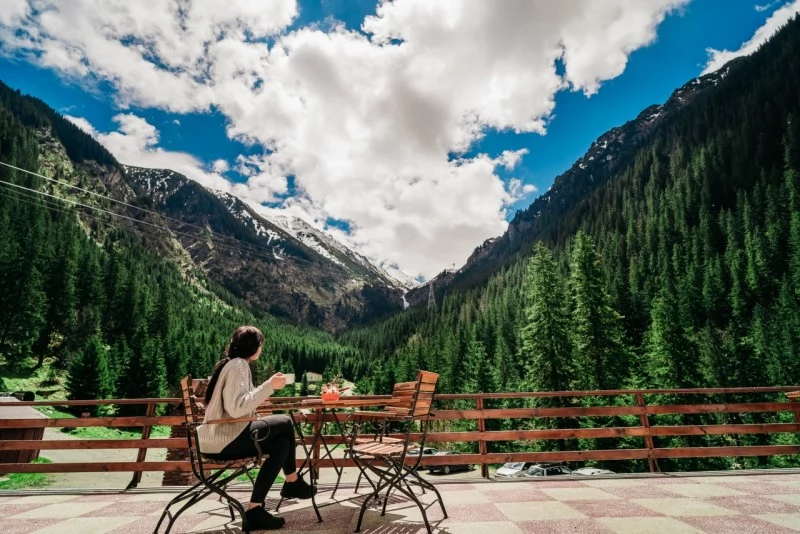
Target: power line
<point x="252" y="247"/>
<point x="198" y="238"/>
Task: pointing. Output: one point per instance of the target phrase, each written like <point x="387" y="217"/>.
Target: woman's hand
<point x="278" y="381"/>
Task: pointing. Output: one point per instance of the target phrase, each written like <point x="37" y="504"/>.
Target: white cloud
<point x="510" y="158"/>
<point x="766" y="7"/>
<point x="83" y="124"/>
<point x="135" y="142"/>
<point x="220" y="166"/>
<point x="718" y="58"/>
<point x="11" y="11"/>
<point x="366" y="123"/>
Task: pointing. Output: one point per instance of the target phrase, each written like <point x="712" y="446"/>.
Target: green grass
<point x="26" y="378"/>
<point x="27" y="480"/>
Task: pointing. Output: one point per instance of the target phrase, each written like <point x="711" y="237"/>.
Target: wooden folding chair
<point x="385" y="457"/>
<point x="212" y="479"/>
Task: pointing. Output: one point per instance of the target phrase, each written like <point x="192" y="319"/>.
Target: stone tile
<point x="753" y="504"/>
<point x="208" y="505"/>
<point x="791" y="499"/>
<point x="104" y="497"/>
<point x="25" y="526"/>
<point x="160" y="497"/>
<point x="616" y="483"/>
<point x="701" y="491"/>
<point x="390" y="523"/>
<point x="43" y="499"/>
<point x="564" y="526"/>
<point x="124" y="509"/>
<point x="60" y="510"/>
<point x="464" y="497"/>
<point x="457" y="487"/>
<point x="642" y="492"/>
<point x="683" y="507"/>
<point x="539" y="511"/>
<point x="215" y="524"/>
<point x="86" y="525"/>
<point x="618" y="508"/>
<point x="497" y="527"/>
<point x="555" y="482"/>
<point x="523" y="494"/>
<point x="790" y="521"/>
<point x="735" y="525"/>
<point x="14" y="509"/>
<point x="462" y="513"/>
<point x="333" y="517"/>
<point x="647" y="525"/>
<point x="146" y="525"/>
<point x="764" y="488"/>
<point x="579" y="494"/>
<point x="666" y="480"/>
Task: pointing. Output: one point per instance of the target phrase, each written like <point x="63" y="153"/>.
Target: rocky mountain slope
<point x="282" y="266"/>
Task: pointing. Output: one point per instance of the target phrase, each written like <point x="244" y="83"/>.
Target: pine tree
<point x="600" y="356"/>
<point x="546" y="349"/>
<point x="89" y="377"/>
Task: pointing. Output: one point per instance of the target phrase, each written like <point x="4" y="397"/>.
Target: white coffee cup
<point x="289" y="378"/>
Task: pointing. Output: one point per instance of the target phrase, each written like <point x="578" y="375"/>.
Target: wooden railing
<point x="471" y="407"/>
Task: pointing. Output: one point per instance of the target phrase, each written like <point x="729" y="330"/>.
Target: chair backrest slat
<point x="426" y="388"/>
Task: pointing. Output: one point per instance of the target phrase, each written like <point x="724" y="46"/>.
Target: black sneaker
<point x="260" y="519"/>
<point x="299" y="489"/>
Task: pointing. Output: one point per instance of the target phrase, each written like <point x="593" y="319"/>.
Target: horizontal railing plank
<point x="68" y="444"/>
<point x="82" y="422"/>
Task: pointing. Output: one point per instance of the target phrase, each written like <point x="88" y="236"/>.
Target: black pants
<point x="276" y="436"/>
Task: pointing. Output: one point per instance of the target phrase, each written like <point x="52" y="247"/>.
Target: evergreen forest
<point x="680" y="269"/>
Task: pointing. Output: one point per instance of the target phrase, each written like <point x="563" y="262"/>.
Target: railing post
<point x="644" y="420"/>
<point x="318" y="424"/>
<point x="140" y="457"/>
<point x="794" y="398"/>
<point x="482" y="443"/>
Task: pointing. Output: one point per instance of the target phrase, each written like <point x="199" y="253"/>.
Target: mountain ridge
<point x="604" y="156"/>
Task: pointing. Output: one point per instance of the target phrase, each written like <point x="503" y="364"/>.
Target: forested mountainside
<point x="105" y="293"/>
<point x="679" y="266"/>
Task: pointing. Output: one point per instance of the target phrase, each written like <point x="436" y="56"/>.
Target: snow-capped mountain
<point x="281" y="265"/>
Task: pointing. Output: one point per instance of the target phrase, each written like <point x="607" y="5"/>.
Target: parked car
<point x="447" y="469"/>
<point x="546" y="470"/>
<point x="426" y="451"/>
<point x="592" y="471"/>
<point x="512" y="470"/>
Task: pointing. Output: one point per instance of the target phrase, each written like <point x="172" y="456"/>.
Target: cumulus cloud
<point x="718" y="58"/>
<point x="135" y="142"/>
<point x="372" y="125"/>
<point x="12" y="11"/>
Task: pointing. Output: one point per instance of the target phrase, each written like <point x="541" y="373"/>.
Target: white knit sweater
<point x="234" y="397"/>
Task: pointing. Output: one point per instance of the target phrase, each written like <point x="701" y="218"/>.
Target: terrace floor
<point x="745" y="502"/>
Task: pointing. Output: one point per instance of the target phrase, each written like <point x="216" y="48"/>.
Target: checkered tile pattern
<point x="761" y="503"/>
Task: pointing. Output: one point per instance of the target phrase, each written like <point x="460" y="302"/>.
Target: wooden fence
<point x="480" y="409"/>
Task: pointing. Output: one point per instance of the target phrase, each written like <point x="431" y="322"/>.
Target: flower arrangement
<point x="333" y="389"/>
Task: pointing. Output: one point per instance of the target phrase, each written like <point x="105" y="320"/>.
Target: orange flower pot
<point x="330" y="396"/>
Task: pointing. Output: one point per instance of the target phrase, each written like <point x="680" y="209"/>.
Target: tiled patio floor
<point x="760" y="504"/>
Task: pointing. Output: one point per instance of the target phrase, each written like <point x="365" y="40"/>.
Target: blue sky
<point x="652" y="72"/>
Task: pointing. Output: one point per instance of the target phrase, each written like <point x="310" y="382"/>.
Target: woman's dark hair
<point x="245" y="341"/>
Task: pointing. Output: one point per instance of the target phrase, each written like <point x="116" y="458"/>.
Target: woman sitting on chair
<point x="231" y="395"/>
